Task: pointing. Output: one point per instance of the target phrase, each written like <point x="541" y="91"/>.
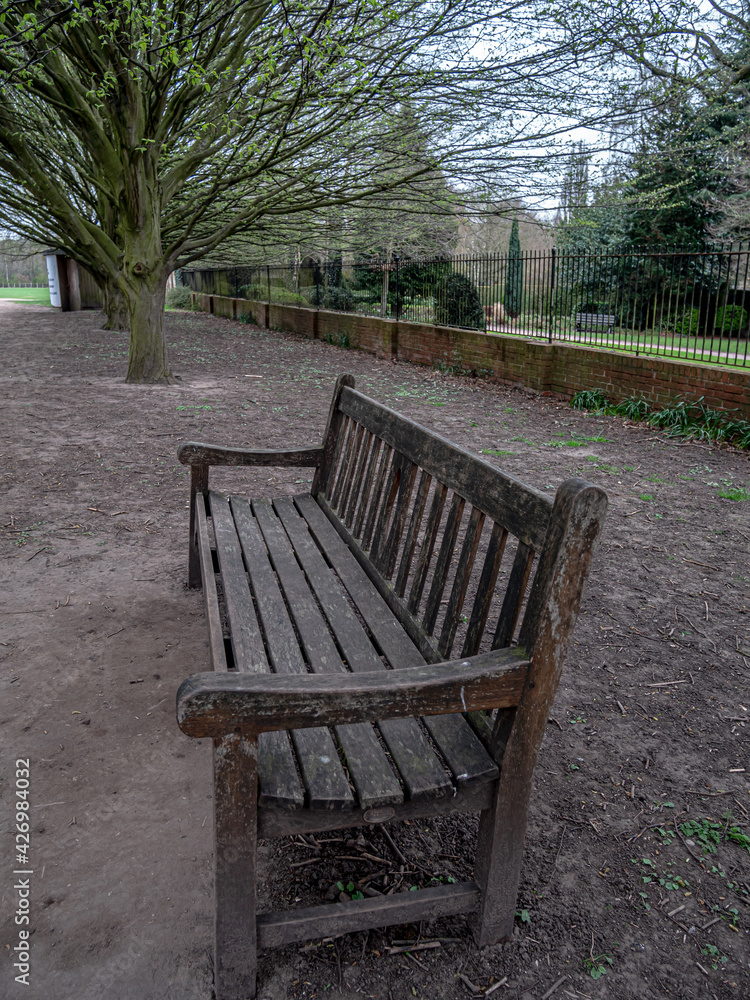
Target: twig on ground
<point x="553" y="987"/>
<point x="422" y="946"/>
<point x="393" y="846"/>
<point x="663" y="684"/>
<point x="468" y="983"/>
<point x="496" y="986"/>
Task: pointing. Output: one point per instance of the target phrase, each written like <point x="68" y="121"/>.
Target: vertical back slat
<point x="339" y="467"/>
<point x="385" y="457"/>
<point x="356" y="492"/>
<point x="390" y="552"/>
<point x="331" y="439"/>
<point x="485" y="590"/>
<point x="352" y="459"/>
<point x="519" y="577"/>
<point x="442" y="566"/>
<point x="428" y="544"/>
<point x="369" y="476"/>
<point x="461" y="581"/>
<point x="394" y="478"/>
<point x="411" y="536"/>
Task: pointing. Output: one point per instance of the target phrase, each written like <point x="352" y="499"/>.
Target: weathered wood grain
<point x="554" y="602"/>
<point x="443" y="562"/>
<point x="463" y="752"/>
<point x="356" y="493"/>
<point x="461" y="581"/>
<point x="331" y="436"/>
<point x="521" y="509"/>
<point x="235" y="849"/>
<point x="485" y="590"/>
<point x="352" y="460"/>
<point x="274" y="822"/>
<point x="214" y="704"/>
<point x="514" y="594"/>
<point x="277" y="929"/>
<point x="325" y="782"/>
<point x="277" y="772"/>
<point x="428" y="545"/>
<point x="368" y="765"/>
<point x="411" y="536"/>
<point x="364" y="499"/>
<point x="192" y="453"/>
<point x="210" y="596"/>
<point x="420" y="769"/>
<point x="385" y="457"/>
<point x="198" y="486"/>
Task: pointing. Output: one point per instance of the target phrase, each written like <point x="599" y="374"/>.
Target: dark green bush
<point x="178" y="298"/>
<point x="457" y="303"/>
<point x="730" y="320"/>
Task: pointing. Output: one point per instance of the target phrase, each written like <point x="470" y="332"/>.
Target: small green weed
<point x="597" y="965"/>
<point x="589" y="399"/>
<point x="735" y="493"/>
<point x="683" y="418"/>
<point x="524" y="916"/>
<point x="350" y="889"/>
<point x="713" y="954"/>
<point x="492" y="451"/>
<point x="342" y="340"/>
<point x="710" y="833"/>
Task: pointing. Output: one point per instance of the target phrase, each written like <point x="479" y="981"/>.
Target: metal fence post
<point x="552" y="293"/>
<point x="398" y="302"/>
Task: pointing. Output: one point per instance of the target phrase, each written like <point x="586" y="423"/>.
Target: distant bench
<point x="595" y="321"/>
<point x="414" y="582"/>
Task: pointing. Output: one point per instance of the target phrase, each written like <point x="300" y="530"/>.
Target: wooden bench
<point x="339" y="696"/>
<point x="595" y="321"/>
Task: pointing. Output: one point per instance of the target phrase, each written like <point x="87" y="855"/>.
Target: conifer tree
<point x="514" y="276"/>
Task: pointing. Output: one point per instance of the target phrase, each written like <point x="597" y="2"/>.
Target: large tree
<point x="140" y="136"/>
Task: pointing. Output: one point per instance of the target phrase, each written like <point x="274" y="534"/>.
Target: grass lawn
<point x="39" y="296"/>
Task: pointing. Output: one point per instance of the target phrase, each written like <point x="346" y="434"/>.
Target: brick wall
<point x="561" y="369"/>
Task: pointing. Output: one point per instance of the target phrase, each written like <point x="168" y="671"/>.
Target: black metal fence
<point x="675" y="302"/>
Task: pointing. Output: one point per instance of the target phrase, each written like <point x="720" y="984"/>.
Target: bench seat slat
<point x="277" y="773"/>
<point x="462" y="750"/>
<point x="325" y="781"/>
<point x="522" y="510"/>
<point x="419" y="767"/>
<point x="368" y="765"/>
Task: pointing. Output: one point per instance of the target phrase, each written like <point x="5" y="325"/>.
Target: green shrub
<point x="279" y="294"/>
<point x="339" y="297"/>
<point x="688" y="325"/>
<point x="178" y="298"/>
<point x="457" y="303"/>
<point x="730" y="320"/>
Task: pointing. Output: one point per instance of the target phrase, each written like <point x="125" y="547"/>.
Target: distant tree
<point x="574" y="194"/>
<point x="141" y="137"/>
<point x="514" y="275"/>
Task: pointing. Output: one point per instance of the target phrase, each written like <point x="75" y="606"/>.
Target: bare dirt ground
<point x="648" y="732"/>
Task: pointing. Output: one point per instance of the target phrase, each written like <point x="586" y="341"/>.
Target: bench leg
<point x="236" y="836"/>
<point x="498" y="872"/>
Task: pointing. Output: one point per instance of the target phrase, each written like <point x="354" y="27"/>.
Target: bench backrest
<point x="600" y="319"/>
<point x="452" y="543"/>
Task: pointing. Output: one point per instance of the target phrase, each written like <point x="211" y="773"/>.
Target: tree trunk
<point x="117" y="315"/>
<point x="148" y="347"/>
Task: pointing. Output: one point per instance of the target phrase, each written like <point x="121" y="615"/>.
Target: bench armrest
<point x="194" y="453"/>
<point x="217" y="704"/>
